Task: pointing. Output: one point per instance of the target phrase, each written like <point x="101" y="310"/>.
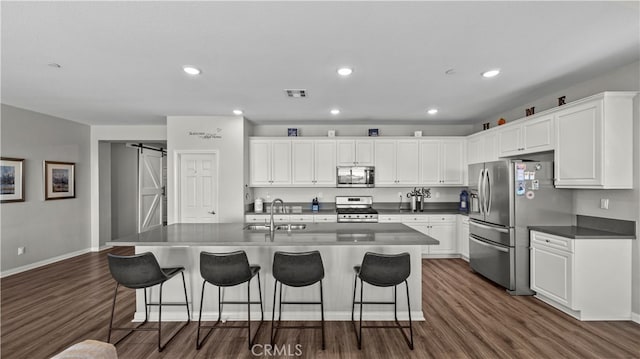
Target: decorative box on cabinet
<point x="589" y="279"/>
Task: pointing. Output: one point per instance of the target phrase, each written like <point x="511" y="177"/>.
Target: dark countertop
<point x="575" y="232"/>
<point x="234" y="234"/>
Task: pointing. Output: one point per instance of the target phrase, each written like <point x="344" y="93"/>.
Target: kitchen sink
<point x="279" y="227"/>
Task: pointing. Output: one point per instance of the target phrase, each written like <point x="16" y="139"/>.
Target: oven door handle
<point x="501" y="249"/>
<point x="484" y="226"/>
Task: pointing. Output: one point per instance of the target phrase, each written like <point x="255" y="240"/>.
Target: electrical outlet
<point x="20" y="251"/>
<point x="437" y="194"/>
<point x="604" y="203"/>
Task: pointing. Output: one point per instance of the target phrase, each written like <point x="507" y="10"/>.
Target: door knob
<point x="212" y="212"/>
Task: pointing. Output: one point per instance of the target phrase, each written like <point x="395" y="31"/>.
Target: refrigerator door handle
<point x="481" y="191"/>
<point x="484" y="226"/>
<point x="489" y="245"/>
<point x="488" y="193"/>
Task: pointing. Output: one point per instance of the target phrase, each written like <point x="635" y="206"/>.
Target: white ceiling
<point x="122" y="61"/>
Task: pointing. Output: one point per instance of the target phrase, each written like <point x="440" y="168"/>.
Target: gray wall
<point x="124" y="190"/>
<point x="624" y="204"/>
<point x="104" y="168"/>
<point x="47" y="229"/>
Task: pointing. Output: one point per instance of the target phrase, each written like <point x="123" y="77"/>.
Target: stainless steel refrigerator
<point x="505" y="198"/>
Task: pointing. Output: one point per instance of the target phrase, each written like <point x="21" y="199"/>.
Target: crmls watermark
<point x="277" y="350"/>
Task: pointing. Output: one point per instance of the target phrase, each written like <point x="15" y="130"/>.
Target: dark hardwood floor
<point x="50" y="308"/>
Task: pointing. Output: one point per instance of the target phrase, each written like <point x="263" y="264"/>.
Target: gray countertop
<point x="575" y="232"/>
<point x="234" y="234"/>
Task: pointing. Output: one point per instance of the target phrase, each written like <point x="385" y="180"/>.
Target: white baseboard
<point x="177" y="316"/>
<point x="41" y="263"/>
<point x="635" y="317"/>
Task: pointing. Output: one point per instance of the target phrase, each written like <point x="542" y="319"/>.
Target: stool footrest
<point x="170" y="304"/>
<point x="238" y="302"/>
<point x="374" y="303"/>
<point x="300" y="302"/>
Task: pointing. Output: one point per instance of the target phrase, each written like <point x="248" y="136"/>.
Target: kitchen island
<point x="342" y="245"/>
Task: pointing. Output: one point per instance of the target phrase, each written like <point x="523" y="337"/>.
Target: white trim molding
<point x="635" y="317"/>
<point x="44" y="262"/>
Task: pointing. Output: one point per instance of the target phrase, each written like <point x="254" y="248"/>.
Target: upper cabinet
<point x="482" y="147"/>
<point x="594" y="142"/>
<point x="313" y="162"/>
<point x="270" y="162"/>
<point x="397" y="162"/>
<point x="354" y="152"/>
<point x="526" y="136"/>
<point x="442" y="162"/>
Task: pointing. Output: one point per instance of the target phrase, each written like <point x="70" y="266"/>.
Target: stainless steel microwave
<point x="361" y="176"/>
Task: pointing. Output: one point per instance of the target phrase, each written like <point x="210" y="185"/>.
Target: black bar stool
<point x="296" y="270"/>
<point x="142" y="271"/>
<point x="382" y="270"/>
<point x="228" y="270"/>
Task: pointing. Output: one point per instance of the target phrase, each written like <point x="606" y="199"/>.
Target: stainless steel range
<point x="356" y="209"/>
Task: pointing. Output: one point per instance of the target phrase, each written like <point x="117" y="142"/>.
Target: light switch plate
<point x="604" y="203"/>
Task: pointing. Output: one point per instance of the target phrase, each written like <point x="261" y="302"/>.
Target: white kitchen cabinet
<point x="442" y="162"/>
<point x="527" y="136"/>
<point x="440" y="227"/>
<point x="313" y="163"/>
<point x="355" y="152"/>
<point x="482" y="147"/>
<point x="586" y="278"/>
<point x="325" y="218"/>
<point x="397" y="163"/>
<point x="270" y="162"/>
<point x="594" y="142"/>
<point x="463" y="236"/>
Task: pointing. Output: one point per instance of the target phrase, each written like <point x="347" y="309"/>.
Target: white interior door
<point x="199" y="188"/>
<point x="150" y="189"/>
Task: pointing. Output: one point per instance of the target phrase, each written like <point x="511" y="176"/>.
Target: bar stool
<point x="382" y="270"/>
<point x="228" y="270"/>
<point x="142" y="271"/>
<point x="296" y="270"/>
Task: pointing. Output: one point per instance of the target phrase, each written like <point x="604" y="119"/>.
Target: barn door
<point x="150" y="189"/>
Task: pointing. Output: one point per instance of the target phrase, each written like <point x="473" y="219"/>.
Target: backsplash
<point x="305" y="195"/>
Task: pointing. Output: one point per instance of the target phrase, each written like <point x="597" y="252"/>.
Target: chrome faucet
<point x="271" y="223"/>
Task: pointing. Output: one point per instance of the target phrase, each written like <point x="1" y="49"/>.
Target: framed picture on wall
<point x="11" y="180"/>
<point x="59" y="180"/>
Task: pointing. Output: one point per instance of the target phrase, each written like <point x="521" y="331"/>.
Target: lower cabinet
<point x="291" y="218"/>
<point x="441" y="227"/>
<point x="463" y="236"/>
<point x="586" y="278"/>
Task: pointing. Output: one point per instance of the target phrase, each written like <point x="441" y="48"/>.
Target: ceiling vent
<point x="296" y="93"/>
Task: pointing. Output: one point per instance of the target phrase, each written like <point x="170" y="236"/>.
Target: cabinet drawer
<point x="389" y="219"/>
<point x="415" y="219"/>
<point x="281" y="218"/>
<point x="541" y="240"/>
<point x="298" y="218"/>
<point x="444" y="218"/>
<point x="256" y="218"/>
<point x="325" y="218"/>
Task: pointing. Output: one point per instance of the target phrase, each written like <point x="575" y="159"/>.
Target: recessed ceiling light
<point x="345" y="71"/>
<point x="191" y="70"/>
<point x="237" y="112"/>
<point x="451" y="71"/>
<point x="54" y="65"/>
<point x="491" y="73"/>
<point x="335" y="111"/>
<point x="432" y="111"/>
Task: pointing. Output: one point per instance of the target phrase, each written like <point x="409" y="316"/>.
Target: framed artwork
<point x="59" y="180"/>
<point x="11" y="180"/>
